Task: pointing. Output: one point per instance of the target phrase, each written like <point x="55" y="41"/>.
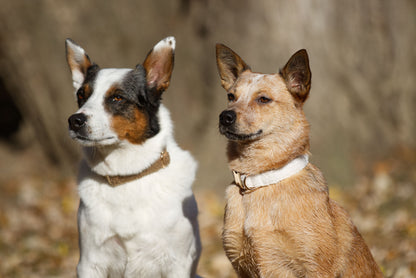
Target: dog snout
<point x="77" y="121"/>
<point x="228" y="117"/>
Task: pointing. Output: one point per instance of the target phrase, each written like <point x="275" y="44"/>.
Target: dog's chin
<point x="94" y="142"/>
<point x="241" y="136"/>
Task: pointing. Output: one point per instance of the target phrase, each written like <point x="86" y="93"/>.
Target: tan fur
<point x="132" y="128"/>
<point x="252" y="117"/>
<point x="87" y="91"/>
<point x="289" y="229"/>
<point x="77" y="63"/>
<point x="159" y="67"/>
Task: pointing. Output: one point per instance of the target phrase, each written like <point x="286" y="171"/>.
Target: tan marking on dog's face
<point x="128" y="121"/>
<point x="262" y="102"/>
<point x="132" y="130"/>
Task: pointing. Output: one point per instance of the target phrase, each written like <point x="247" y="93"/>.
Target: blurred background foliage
<point x="361" y="109"/>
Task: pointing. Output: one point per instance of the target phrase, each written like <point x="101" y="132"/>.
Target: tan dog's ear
<point x="159" y="64"/>
<point x="230" y="65"/>
<point x="78" y="62"/>
<point x="297" y="75"/>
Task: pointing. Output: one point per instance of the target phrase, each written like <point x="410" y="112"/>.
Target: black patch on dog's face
<point x="86" y="90"/>
<point x="132" y="94"/>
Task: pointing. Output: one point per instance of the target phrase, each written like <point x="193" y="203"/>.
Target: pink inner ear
<point x="296" y="87"/>
<point x="159" y="67"/>
<point x="152" y="77"/>
<point x="296" y="81"/>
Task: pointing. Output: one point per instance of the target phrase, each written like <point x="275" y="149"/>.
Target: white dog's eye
<point x="117" y="98"/>
<point x="81" y="94"/>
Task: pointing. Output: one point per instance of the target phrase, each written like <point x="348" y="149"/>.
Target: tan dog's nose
<point x="227" y="117"/>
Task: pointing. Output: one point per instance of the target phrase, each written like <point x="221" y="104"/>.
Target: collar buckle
<point x="240" y="180"/>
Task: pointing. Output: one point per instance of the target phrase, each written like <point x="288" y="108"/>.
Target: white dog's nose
<point x="77" y="121"/>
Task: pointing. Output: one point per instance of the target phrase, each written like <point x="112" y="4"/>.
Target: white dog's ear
<point x="159" y="64"/>
<point x="78" y="62"/>
<point x="230" y="65"/>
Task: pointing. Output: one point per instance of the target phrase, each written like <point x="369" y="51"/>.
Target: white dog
<point x="137" y="215"/>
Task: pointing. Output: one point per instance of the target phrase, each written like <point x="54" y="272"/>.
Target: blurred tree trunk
<point x="28" y="65"/>
<point x="362" y="57"/>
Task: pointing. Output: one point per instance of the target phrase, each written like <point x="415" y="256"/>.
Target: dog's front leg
<point x="233" y="233"/>
<point x="180" y="272"/>
<point x="99" y="258"/>
<point x="86" y="267"/>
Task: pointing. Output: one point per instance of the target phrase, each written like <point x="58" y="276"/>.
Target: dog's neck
<point x="252" y="158"/>
<point x="129" y="159"/>
<point x="121" y="160"/>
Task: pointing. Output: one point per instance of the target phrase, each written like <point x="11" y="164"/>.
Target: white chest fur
<point x="146" y="227"/>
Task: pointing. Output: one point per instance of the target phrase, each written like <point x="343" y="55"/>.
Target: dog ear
<point x="78" y="62"/>
<point x="297" y="75"/>
<point x="230" y="65"/>
<point x="159" y="64"/>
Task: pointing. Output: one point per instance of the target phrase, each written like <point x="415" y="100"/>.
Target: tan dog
<point x="279" y="220"/>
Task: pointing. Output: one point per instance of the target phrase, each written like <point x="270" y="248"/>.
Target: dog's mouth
<point x="86" y="141"/>
<point x="242" y="137"/>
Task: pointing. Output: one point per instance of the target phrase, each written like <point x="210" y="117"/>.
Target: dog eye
<point x="263" y="100"/>
<point x="117" y="98"/>
<point x="81" y="94"/>
<point x="231" y="97"/>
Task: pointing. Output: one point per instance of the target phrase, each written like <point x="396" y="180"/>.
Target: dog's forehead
<point x="107" y="78"/>
<point x="250" y="82"/>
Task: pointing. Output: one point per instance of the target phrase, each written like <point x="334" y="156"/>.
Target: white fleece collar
<point x="247" y="183"/>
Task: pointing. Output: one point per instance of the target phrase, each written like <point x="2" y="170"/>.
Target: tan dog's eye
<point x="231" y="97"/>
<point x="263" y="100"/>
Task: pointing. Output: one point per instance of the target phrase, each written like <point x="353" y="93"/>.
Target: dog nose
<point x="77" y="121"/>
<point x="227" y="117"/>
